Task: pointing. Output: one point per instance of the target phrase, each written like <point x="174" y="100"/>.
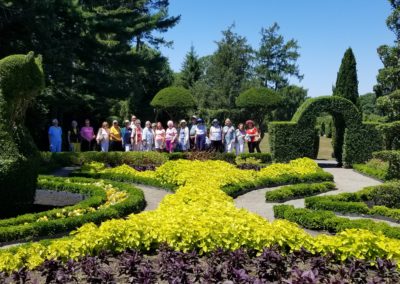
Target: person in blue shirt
<point x="126" y="133"/>
<point x="55" y="137"/>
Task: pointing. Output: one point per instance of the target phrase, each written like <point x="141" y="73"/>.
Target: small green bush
<point x="375" y="168"/>
<point x="393" y="157"/>
<point x="298" y="191"/>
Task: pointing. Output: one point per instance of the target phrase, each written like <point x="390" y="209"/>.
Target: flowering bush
<point x="201" y="216"/>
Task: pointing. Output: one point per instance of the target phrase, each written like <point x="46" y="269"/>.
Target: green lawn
<point x="325" y="147"/>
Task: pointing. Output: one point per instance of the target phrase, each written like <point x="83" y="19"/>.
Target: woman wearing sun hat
<point x="200" y="136"/>
<point x="183" y="136"/>
<point x="251" y="135"/>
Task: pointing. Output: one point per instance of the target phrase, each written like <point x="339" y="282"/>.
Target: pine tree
<point x="191" y="70"/>
<point x="347" y="82"/>
<point x="276" y="60"/>
<point x="346" y="87"/>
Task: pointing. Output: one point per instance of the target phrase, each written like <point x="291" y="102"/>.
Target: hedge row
<point x="27" y="227"/>
<point x="393" y="157"/>
<point x="125" y="178"/>
<point x="298" y="191"/>
<point x="328" y="221"/>
<point x="297" y="138"/>
<point x="52" y="161"/>
<point x="381" y="201"/>
<point x="241" y="188"/>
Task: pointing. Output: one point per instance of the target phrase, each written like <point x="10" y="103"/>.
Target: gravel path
<point x="346" y="180"/>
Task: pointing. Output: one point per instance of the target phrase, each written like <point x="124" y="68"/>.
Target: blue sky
<point x="323" y="29"/>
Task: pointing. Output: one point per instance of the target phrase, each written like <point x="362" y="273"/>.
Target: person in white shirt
<point x="229" y="137"/>
<point x="240" y="139"/>
<point x="183" y="136"/>
<point x="103" y="137"/>
<point x="148" y="137"/>
<point x="216" y="136"/>
<point x="200" y="135"/>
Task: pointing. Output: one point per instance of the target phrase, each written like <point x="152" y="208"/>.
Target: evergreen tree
<point x="191" y="70"/>
<point x="96" y="53"/>
<point x="276" y="60"/>
<point x="388" y="78"/>
<point x="346" y="87"/>
<point x="227" y="70"/>
<point x="347" y="82"/>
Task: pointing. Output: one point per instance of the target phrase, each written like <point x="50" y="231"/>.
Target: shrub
<point x="327" y="220"/>
<point x="21" y="80"/>
<point x="391" y="135"/>
<point x="106" y="200"/>
<point x="173" y="100"/>
<point x="298" y="191"/>
<point x="290" y="140"/>
<point x="375" y="168"/>
<point x="393" y="157"/>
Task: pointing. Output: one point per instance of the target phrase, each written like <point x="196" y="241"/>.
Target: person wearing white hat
<point x="183" y="136"/>
<point x="55" y="137"/>
<point x="216" y="136"/>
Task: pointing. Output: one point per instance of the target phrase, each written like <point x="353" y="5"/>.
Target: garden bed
<point x="201" y="217"/>
<point x="105" y="200"/>
<point x="239" y="266"/>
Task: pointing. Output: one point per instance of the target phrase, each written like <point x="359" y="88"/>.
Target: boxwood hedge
<point x="27" y="227"/>
<point x="297" y="138"/>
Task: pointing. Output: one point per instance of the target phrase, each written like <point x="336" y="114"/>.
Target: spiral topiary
<point x="21" y="80"/>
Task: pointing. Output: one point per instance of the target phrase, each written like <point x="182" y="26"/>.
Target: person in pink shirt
<point x="170" y="137"/>
<point x="87" y="137"/>
<point x="160" y="137"/>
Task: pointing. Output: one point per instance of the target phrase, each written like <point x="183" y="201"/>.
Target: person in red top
<point x="252" y="135"/>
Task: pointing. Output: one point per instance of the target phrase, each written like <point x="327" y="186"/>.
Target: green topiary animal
<point x="21" y="80"/>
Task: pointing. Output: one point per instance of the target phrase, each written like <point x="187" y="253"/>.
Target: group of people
<point x="153" y="136"/>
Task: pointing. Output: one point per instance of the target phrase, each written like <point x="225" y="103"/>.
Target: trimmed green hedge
<point x="27" y="227"/>
<point x="241" y="188"/>
<point x="393" y="157"/>
<point x="52" y="161"/>
<point x="391" y="135"/>
<point x="380" y="201"/>
<point x="298" y="191"/>
<point x="21" y="80"/>
<point x="125" y="178"/>
<point x="297" y="138"/>
<point x="328" y="221"/>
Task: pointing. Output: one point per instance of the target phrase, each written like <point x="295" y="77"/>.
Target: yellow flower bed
<point x="200" y="216"/>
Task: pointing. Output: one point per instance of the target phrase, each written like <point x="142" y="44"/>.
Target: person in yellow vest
<point x="115" y="137"/>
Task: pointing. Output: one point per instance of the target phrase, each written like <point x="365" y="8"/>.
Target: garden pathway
<point x="347" y="180"/>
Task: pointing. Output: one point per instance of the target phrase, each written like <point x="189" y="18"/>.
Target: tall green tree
<point x="346" y="87"/>
<point x="191" y="69"/>
<point x="388" y="78"/>
<point x="96" y="53"/>
<point x="292" y="98"/>
<point x="347" y="81"/>
<point x="228" y="70"/>
<point x="276" y="59"/>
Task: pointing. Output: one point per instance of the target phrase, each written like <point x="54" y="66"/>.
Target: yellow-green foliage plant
<point x="201" y="216"/>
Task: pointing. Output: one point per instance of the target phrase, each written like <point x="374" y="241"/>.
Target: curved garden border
<point x="52" y="222"/>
